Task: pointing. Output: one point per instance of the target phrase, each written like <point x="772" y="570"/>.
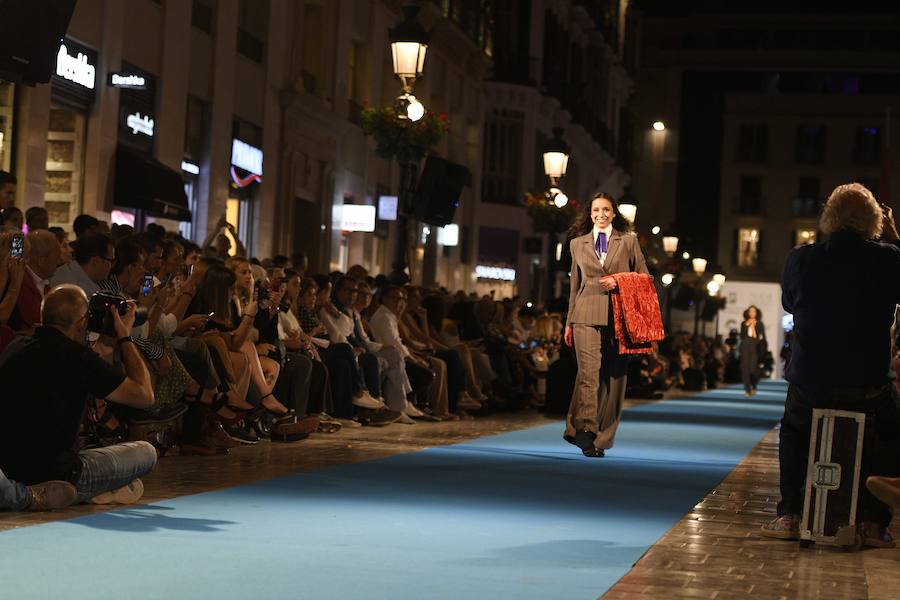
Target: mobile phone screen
<point x="148" y="285"/>
<point x="17" y="246"/>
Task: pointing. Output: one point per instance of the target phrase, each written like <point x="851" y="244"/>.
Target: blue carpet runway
<point x="520" y="515"/>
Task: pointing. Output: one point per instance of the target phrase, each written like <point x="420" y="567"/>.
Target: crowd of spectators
<point x="217" y="350"/>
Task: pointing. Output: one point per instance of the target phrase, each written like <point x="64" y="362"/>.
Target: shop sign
<point x="387" y="208"/>
<point x="76" y="69"/>
<point x="246" y="157"/>
<point x="138" y="124"/>
<point x="128" y="81"/>
<point x="448" y="235"/>
<point x="495" y="273"/>
<point x="355" y="217"/>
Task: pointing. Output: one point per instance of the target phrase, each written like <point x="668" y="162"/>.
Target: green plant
<point x="546" y="217"/>
<point x="402" y="139"/>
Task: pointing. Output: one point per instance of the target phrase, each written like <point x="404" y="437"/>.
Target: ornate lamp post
<point x="556" y="161"/>
<point x="409" y="42"/>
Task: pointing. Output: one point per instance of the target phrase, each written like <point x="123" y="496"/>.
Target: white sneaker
<point x="349" y="423"/>
<point x="413" y="411"/>
<point x="127" y="494"/>
<point x="365" y="400"/>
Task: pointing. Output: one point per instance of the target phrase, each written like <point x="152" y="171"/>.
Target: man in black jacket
<point x="842" y="293"/>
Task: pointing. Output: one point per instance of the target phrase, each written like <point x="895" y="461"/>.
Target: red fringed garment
<point x="636" y="313"/>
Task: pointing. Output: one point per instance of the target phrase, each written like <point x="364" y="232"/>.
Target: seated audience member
<point x="386" y="331"/>
<point x="86" y="223"/>
<point x="41" y="262"/>
<point x="841" y="356"/>
<point x="36" y="218"/>
<point x="13" y="219"/>
<point x="12" y="274"/>
<point x="65" y="248"/>
<point x="94" y="255"/>
<point x="37" y="437"/>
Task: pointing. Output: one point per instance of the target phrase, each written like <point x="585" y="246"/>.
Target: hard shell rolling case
<point x="832" y="479"/>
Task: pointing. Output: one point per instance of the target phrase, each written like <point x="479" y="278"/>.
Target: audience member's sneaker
<point x="349" y="423"/>
<point x="782" y="528"/>
<point x="886" y="489"/>
<point x="384" y="417"/>
<point x="413" y="411"/>
<point x="405" y="419"/>
<point x="466" y="402"/>
<point x="127" y="494"/>
<point x="365" y="400"/>
<point x="876" y="536"/>
<point x="241" y="433"/>
<point x="51" y="495"/>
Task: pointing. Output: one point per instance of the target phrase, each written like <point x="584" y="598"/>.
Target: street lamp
<point x="713" y="288"/>
<point x="629" y="211"/>
<point x="409" y="41"/>
<point x="659" y="126"/>
<point x="699" y="265"/>
<point x="670" y="244"/>
<point x="667" y="279"/>
<point x="719" y="278"/>
<point x="558" y="198"/>
<point x="556" y="157"/>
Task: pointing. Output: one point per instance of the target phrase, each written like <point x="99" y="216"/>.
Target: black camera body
<point x="100" y="318"/>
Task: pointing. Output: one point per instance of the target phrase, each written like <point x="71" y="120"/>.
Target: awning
<point x="150" y="186"/>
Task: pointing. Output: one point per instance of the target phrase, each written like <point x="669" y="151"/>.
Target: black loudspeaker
<point x="437" y="195"/>
<point x="30" y="34"/>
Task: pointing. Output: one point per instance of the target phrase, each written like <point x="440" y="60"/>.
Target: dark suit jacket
<point x="842" y="292"/>
<point x="588" y="301"/>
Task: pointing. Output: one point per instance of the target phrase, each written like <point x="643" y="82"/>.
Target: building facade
<point x="255" y="107"/>
<point x="765" y="111"/>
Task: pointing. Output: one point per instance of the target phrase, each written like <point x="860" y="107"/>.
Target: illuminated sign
<point x="246" y="157"/>
<point x="355" y="217"/>
<point x="189" y="167"/>
<point x="387" y="208"/>
<point x="76" y="68"/>
<point x="448" y="235"/>
<point x="128" y="81"/>
<point x="138" y="124"/>
<point x="498" y="273"/>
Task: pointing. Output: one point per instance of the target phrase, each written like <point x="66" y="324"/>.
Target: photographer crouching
<point x="47" y="380"/>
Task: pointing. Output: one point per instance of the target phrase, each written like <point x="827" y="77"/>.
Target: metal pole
<point x="404" y="201"/>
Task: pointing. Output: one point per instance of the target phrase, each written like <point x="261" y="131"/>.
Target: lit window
<point x="805" y="236"/>
<point x="748" y="247"/>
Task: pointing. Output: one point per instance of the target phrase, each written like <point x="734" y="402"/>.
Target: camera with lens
<point x="100" y="319"/>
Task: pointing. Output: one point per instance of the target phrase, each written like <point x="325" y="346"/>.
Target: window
<point x="6" y="123"/>
<point x="753" y="143"/>
<point x="804" y="236"/>
<point x="867" y="146"/>
<point x="195" y="129"/>
<point x="502" y="157"/>
<point x="748" y="248"/>
<point x="750" y="199"/>
<point x="253" y="23"/>
<point x="202" y="16"/>
<point x="806" y="204"/>
<point x="249" y="46"/>
<point x="64" y="165"/>
<point x="809" y="148"/>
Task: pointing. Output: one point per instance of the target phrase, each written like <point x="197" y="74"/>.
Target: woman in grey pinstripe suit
<point x="602" y="244"/>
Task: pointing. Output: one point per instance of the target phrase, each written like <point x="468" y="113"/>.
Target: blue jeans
<point x="13" y="495"/>
<point x="109" y="468"/>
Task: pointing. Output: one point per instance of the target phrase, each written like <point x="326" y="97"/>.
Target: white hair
<point x="852" y="207"/>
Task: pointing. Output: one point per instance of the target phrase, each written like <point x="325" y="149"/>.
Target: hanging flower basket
<point x="546" y="217"/>
<point x="406" y="141"/>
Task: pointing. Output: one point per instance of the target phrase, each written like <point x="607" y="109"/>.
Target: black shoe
<point x="241" y="433"/>
<point x="594" y="453"/>
<point x="584" y="439"/>
<point x="380" y="418"/>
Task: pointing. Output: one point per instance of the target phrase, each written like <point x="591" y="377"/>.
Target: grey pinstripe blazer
<point x="588" y="301"/>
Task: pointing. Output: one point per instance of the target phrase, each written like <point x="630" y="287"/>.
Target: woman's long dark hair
<point x="214" y="293"/>
<point x="583" y="223"/>
<point x="758" y="312"/>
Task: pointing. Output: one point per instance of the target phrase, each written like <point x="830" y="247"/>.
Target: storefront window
<point x="748" y="247"/>
<point x="7" y="91"/>
<point x="65" y="152"/>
